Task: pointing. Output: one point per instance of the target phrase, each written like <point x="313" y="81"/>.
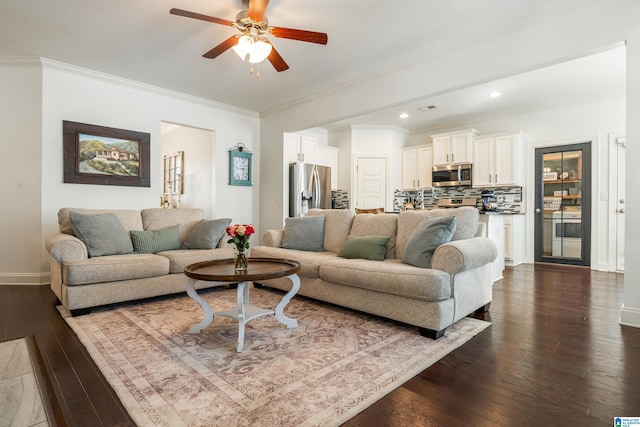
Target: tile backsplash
<point x="508" y="199"/>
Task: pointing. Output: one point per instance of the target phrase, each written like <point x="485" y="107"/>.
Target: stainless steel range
<point x="456" y="203"/>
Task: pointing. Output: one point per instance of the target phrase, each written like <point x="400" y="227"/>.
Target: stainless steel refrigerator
<point x="309" y="187"/>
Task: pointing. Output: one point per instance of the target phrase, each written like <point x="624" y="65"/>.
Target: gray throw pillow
<point x="103" y="234"/>
<point x="154" y="241"/>
<point x="206" y="234"/>
<point x="365" y="247"/>
<point x="428" y="235"/>
<point x="304" y="233"/>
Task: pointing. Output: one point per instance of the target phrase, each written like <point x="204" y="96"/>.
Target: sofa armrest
<point x="462" y="255"/>
<point x="65" y="247"/>
<point x="272" y="238"/>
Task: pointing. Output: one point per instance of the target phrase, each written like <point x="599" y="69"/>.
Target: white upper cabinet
<point x="416" y="167"/>
<point x="498" y="160"/>
<point x="453" y="148"/>
<point x="300" y="148"/>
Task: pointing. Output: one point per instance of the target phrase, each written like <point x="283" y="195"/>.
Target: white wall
<point x="535" y="43"/>
<point x="21" y="174"/>
<point x="631" y="309"/>
<point x="69" y="93"/>
<point x="198" y="146"/>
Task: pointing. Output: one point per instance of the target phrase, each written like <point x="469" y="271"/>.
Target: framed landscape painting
<point x="106" y="156"/>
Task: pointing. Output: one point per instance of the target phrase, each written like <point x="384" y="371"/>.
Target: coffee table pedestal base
<point x="244" y="312"/>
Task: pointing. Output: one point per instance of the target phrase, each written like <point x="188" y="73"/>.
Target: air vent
<point x="428" y="107"/>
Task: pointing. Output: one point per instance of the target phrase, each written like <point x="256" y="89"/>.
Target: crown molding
<point x="20" y="61"/>
<point x="44" y="63"/>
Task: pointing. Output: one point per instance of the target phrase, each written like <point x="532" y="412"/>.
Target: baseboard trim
<point x="25" y="279"/>
<point x="630" y="317"/>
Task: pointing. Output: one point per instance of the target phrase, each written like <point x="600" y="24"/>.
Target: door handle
<point x="538" y="210"/>
<point x="621" y="210"/>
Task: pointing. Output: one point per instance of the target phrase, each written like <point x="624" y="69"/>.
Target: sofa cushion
<point x="377" y="225"/>
<point x="366" y="247"/>
<point x="206" y="234"/>
<point x="390" y="276"/>
<point x="187" y="218"/>
<point x="431" y="233"/>
<point x="154" y="241"/>
<point x="336" y="226"/>
<point x="309" y="261"/>
<point x="112" y="268"/>
<point x="466" y="224"/>
<point x="130" y="219"/>
<point x="304" y="233"/>
<point x="102" y="234"/>
<point x="180" y="259"/>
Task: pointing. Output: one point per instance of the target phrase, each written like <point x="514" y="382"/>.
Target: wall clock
<point x="239" y="168"/>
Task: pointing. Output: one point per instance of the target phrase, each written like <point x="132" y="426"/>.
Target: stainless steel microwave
<point x="451" y="175"/>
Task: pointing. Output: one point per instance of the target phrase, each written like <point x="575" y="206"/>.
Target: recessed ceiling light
<point x="404" y="115"/>
<point x="495" y="95"/>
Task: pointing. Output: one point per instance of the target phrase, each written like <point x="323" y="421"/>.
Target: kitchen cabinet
<point x="416" y="167"/>
<point x="513" y="240"/>
<point x="498" y="161"/>
<point x="495" y="231"/>
<point x="300" y="148"/>
<point x="453" y="148"/>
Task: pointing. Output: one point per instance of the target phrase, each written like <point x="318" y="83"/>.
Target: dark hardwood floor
<point x="555" y="355"/>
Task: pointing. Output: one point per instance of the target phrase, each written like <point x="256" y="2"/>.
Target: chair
<point x="371" y="211"/>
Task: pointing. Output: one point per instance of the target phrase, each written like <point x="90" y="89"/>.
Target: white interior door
<point x="620" y="200"/>
<point x="371" y="179"/>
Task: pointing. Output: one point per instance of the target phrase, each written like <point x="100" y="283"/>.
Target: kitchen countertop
<point x="500" y="213"/>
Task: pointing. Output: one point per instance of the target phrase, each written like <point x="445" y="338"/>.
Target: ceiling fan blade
<point x="222" y="47"/>
<point x="201" y="17"/>
<point x="302" y="35"/>
<point x="276" y="60"/>
<point x="257" y="9"/>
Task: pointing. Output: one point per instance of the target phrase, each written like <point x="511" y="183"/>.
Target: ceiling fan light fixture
<point x="259" y="51"/>
<point x="244" y="46"/>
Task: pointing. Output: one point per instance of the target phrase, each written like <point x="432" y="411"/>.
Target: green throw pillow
<point x="428" y="235"/>
<point x="366" y="247"/>
<point x="304" y="233"/>
<point x="154" y="241"/>
<point x="206" y="234"/>
<point x="103" y="234"/>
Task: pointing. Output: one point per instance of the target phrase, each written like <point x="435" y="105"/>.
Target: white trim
<point x="25" y="279"/>
<point x="613" y="205"/>
<point x="630" y="317"/>
<point x="85" y="72"/>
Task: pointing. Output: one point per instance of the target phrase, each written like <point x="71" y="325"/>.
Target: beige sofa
<point x="457" y="284"/>
<point x="81" y="281"/>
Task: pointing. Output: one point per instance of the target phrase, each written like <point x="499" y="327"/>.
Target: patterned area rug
<point x="334" y="365"/>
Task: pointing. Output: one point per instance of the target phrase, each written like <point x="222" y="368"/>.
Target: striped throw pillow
<point x="154" y="241"/>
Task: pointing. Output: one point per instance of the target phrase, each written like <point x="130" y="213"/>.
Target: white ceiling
<point x="141" y="41"/>
<point x="583" y="80"/>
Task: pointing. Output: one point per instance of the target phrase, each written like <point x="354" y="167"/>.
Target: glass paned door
<point x="563" y="204"/>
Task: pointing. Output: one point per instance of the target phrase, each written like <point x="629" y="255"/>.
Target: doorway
<point x="563" y="204"/>
<point x="619" y="165"/>
<point x="371" y="182"/>
<point x="198" y="163"/>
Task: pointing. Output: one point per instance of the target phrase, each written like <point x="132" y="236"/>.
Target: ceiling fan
<point x="251" y="43"/>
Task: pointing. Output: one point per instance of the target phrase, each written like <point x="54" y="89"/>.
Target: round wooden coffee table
<point x="259" y="269"/>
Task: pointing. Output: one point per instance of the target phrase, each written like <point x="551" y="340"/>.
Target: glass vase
<point x="240" y="263"/>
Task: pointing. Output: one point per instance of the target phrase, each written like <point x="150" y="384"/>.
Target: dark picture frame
<point x="105" y="156"/>
<point x="240" y="168"/>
